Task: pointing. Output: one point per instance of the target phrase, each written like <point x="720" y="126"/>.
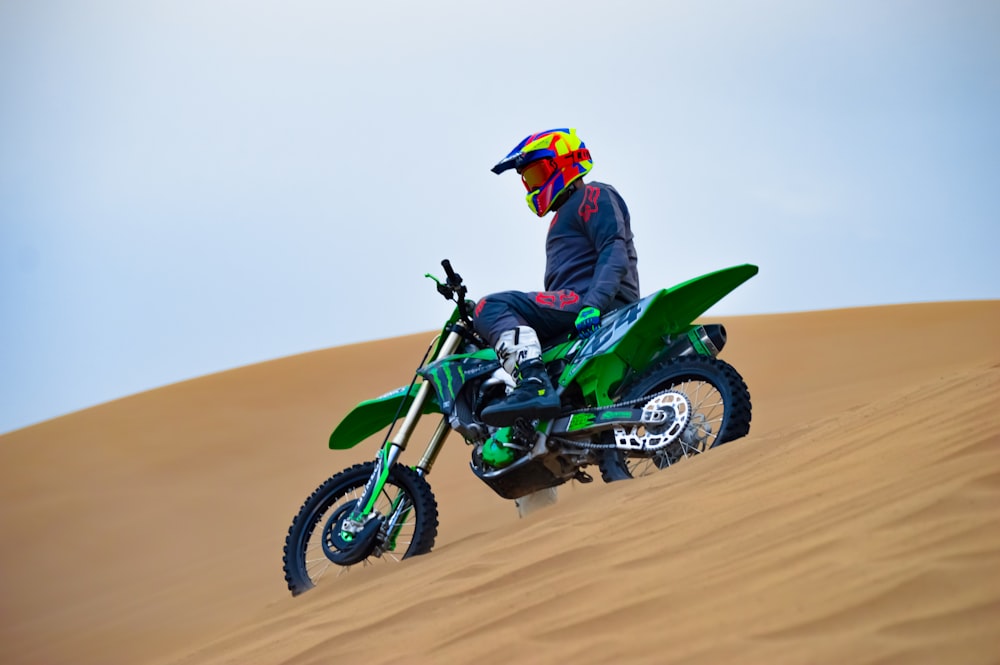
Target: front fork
<point x="389" y="455"/>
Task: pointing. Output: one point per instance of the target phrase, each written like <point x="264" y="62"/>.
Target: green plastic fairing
<point x="628" y="340"/>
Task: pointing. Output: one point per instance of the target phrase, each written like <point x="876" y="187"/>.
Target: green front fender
<point x="372" y="415"/>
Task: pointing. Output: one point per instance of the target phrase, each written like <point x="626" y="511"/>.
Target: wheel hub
<point x="346" y="542"/>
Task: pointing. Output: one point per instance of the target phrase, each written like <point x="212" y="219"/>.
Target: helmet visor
<point x="537" y="173"/>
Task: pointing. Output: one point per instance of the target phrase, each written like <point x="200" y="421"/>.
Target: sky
<point x="190" y="186"/>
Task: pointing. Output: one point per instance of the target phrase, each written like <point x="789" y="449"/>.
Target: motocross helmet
<point x="548" y="163"/>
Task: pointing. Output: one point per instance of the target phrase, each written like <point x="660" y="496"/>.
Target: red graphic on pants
<point x="557" y="299"/>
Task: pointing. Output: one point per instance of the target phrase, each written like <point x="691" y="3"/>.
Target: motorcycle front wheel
<point x="720" y="405"/>
<point x="405" y="511"/>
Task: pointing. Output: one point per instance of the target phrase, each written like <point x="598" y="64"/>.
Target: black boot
<point x="533" y="398"/>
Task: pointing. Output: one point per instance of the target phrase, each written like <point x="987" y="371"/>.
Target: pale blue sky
<point x="188" y="186"/>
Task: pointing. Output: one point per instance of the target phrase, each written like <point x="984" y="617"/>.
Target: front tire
<point x="720" y="404"/>
<point x="305" y="553"/>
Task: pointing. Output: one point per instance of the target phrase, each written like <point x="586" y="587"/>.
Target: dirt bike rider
<point x="590" y="269"/>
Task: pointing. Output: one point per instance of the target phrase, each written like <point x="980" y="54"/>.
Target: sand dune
<point x="859" y="522"/>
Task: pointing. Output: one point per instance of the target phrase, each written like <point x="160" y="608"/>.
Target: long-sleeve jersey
<point x="589" y="248"/>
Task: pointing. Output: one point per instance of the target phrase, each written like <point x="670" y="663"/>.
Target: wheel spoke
<point x="404" y="512"/>
<point x="719" y="412"/>
<point x="708" y="409"/>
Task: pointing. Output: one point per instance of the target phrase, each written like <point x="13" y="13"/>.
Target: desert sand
<point x="859" y="522"/>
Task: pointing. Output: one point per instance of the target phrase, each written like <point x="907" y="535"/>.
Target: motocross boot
<point x="534" y="397"/>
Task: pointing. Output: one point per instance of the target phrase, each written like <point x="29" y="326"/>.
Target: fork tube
<point x="391" y="451"/>
<point x="413" y="414"/>
<point x="433" y="447"/>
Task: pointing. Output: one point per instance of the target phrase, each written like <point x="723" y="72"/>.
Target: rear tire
<point x="305" y="560"/>
<point x="720" y="404"/>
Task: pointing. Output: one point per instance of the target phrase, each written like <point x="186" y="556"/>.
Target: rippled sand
<point x="859" y="522"/>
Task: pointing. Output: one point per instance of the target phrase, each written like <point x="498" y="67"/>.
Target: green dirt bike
<point x="641" y="393"/>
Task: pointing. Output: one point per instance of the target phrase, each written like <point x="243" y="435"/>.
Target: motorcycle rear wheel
<point x="721" y="411"/>
<point x="305" y="559"/>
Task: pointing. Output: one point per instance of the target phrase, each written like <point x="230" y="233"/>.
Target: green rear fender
<point x="373" y="415"/>
<point x="688" y="300"/>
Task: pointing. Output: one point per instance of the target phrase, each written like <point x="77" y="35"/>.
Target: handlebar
<point x="453" y="289"/>
<point x="453" y="278"/>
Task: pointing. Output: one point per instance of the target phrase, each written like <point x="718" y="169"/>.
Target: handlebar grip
<point x="454" y="279"/>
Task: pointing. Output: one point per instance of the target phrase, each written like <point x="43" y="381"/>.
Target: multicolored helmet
<point x="548" y="162"/>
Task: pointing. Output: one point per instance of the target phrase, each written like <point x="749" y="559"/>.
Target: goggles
<point x="537" y="173"/>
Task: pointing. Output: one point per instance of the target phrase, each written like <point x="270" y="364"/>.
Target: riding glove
<point x="588" y="321"/>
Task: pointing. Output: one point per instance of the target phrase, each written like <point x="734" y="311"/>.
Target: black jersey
<point x="589" y="248"/>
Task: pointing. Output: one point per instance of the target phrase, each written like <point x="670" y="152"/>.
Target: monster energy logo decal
<point x="448" y="380"/>
<point x="449" y="375"/>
